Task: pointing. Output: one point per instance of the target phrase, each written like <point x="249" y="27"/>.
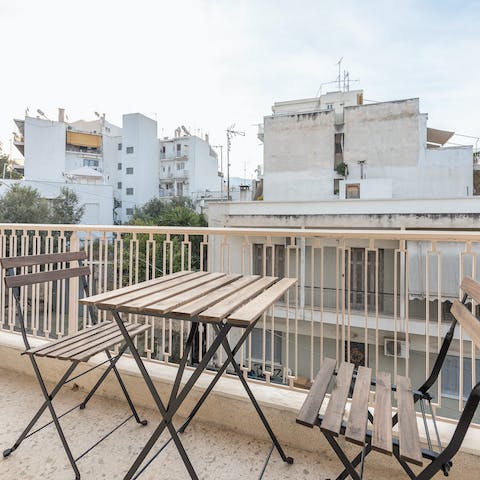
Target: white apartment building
<point x="188" y="167"/>
<point x="113" y="169"/>
<point x="336" y="146"/>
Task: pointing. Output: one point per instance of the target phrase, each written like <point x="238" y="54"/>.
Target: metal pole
<point x="228" y="165"/>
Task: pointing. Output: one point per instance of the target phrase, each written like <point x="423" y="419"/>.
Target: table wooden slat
<point x="84" y="356"/>
<point x="193" y="308"/>
<point x="308" y="414"/>
<point x="172" y="303"/>
<point x="72" y="339"/>
<point x="332" y="421"/>
<point x="257" y="306"/>
<point x="358" y="417"/>
<point x="94" y="299"/>
<point x="136" y="300"/>
<point x="382" y="421"/>
<point x="140" y="305"/>
<point x="141" y="293"/>
<point x="407" y="423"/>
<point x="221" y="310"/>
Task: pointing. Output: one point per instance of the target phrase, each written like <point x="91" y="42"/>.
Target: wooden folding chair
<point x="75" y="348"/>
<point x="406" y="448"/>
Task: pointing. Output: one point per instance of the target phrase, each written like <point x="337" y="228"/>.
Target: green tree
<point x="23" y="204"/>
<point x="66" y="208"/>
<point x="178" y="211"/>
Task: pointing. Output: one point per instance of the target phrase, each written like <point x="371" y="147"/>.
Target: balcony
<point x="336" y="310"/>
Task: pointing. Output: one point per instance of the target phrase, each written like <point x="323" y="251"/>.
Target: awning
<point x="451" y="257"/>
<point x="84" y="172"/>
<point x="84" y="139"/>
<point x="438" y="137"/>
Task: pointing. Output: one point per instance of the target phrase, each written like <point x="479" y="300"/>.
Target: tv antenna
<point x="231" y="132"/>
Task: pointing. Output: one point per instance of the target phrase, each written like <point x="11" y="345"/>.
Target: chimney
<point x="61" y="115"/>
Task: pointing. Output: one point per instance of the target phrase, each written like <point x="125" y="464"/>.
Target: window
<point x="119" y="166"/>
<point x="129" y="211"/>
<point x="129" y="170"/>
<point x="90" y="162"/>
<point x="451" y="376"/>
<point x="119" y="185"/>
<point x="129" y="149"/>
<point x="357" y="278"/>
<point x="119" y="146"/>
<point x="180" y="166"/>
<point x="339" y="147"/>
<point x="129" y="191"/>
<point x="262" y="255"/>
<point x="179" y="188"/>
<point x="179" y="149"/>
<point x="162" y="151"/>
<point x="352" y="190"/>
<point x="163" y="169"/>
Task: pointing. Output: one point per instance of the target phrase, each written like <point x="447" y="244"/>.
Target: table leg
<point x="168" y="412"/>
<point x="239" y="373"/>
<point x="165" y="423"/>
<point x="217" y="377"/>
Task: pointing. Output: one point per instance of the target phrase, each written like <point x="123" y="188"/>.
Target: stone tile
<point x="217" y="454"/>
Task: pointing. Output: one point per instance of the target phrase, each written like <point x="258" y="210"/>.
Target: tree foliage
<point x="179" y="211"/>
<point x="23" y="204"/>
<point x="66" y="208"/>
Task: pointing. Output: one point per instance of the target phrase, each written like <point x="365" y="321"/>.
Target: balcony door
<point x="358" y="283"/>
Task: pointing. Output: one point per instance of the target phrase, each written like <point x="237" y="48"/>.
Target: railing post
<point x="73" y="291"/>
<point x="301" y="280"/>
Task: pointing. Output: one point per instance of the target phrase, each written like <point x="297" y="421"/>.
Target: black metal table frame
<point x="176" y="398"/>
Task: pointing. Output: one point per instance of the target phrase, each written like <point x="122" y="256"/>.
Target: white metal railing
<point x="377" y="297"/>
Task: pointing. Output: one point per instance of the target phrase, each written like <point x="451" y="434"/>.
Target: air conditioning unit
<point x="392" y="348"/>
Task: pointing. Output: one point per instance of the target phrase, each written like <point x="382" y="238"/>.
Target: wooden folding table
<point x="224" y="301"/>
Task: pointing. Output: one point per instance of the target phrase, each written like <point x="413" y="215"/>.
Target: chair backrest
<point x="463" y="315"/>
<point x="60" y="272"/>
<point x="60" y="269"/>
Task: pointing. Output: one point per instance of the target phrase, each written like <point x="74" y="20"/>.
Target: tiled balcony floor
<point x="215" y="453"/>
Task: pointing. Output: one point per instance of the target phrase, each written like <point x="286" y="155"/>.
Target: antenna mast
<point x="339" y="63"/>
<point x="230" y="133"/>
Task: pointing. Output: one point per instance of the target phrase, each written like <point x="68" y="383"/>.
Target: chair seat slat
<point x="358" y="417"/>
<point x="382" y="423"/>
<point x="410" y="450"/>
<point x="332" y="421"/>
<point x="308" y="414"/>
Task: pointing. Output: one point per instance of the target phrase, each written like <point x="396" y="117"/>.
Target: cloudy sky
<point x="208" y="64"/>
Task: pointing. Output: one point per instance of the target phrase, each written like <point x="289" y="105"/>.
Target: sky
<point x="210" y="64"/>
